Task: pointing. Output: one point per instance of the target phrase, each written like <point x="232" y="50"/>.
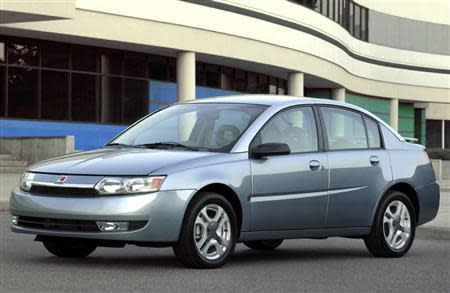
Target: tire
<point x="263" y="244"/>
<point x="69" y="248"/>
<point x="199" y="237"/>
<point x="379" y="242"/>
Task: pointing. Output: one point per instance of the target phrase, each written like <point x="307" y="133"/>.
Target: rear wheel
<point x="209" y="232"/>
<point x="263" y="244"/>
<point x="71" y="248"/>
<point x="394" y="227"/>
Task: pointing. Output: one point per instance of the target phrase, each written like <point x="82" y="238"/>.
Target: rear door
<point x="290" y="191"/>
<point x="359" y="166"/>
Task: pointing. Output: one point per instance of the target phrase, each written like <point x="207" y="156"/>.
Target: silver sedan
<point x="202" y="175"/>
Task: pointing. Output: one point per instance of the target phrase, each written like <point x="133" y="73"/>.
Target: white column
<point x="393" y="114"/>
<point x="443" y="135"/>
<point x="295" y="84"/>
<point x="185" y="76"/>
<point x="338" y="94"/>
<point x="185" y="91"/>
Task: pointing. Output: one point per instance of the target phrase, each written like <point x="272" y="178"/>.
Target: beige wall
<point x="438" y="111"/>
<point x="171" y="26"/>
<point x="436" y="11"/>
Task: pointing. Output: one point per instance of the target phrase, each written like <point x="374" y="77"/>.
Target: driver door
<point x="290" y="191"/>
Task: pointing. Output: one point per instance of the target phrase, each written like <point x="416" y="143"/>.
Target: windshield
<point x="199" y="126"/>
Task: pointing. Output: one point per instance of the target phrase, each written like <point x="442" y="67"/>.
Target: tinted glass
<point x="22" y="93"/>
<point x="84" y="58"/>
<point x="2" y="91"/>
<point x="295" y="127"/>
<point x="54" y="95"/>
<point x="23" y="52"/>
<point x="213" y="127"/>
<point x="158" y="68"/>
<point x="110" y="100"/>
<point x="344" y="128"/>
<point x="357" y="21"/>
<point x="84" y="104"/>
<point x="135" y="100"/>
<point x="55" y="55"/>
<point x="111" y="62"/>
<point x="373" y="133"/>
<point x="135" y="64"/>
<point x="447" y="134"/>
<point x="434" y="133"/>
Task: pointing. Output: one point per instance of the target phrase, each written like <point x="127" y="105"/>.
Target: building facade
<point x="90" y="68"/>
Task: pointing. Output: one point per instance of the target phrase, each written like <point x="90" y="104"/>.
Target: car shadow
<point x="240" y="257"/>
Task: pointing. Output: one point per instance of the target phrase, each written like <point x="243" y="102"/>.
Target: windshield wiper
<point x="124" y="145"/>
<point x="168" y="144"/>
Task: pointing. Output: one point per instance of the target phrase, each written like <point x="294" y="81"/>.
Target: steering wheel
<point x="226" y="134"/>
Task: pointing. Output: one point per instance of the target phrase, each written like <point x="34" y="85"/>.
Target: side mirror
<point x="269" y="149"/>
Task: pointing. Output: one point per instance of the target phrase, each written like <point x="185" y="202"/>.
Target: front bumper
<point x="164" y="211"/>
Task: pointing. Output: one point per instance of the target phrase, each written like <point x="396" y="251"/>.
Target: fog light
<point x="112" y="226"/>
<point x="15" y="220"/>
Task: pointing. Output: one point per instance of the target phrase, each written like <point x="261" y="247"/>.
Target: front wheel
<point x="394" y="227"/>
<point x="69" y="248"/>
<point x="209" y="232"/>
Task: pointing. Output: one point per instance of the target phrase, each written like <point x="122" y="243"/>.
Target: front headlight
<point x="26" y="180"/>
<point x="115" y="185"/>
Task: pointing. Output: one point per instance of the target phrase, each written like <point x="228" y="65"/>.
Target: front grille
<point x="59" y="224"/>
<point x="69" y="225"/>
<point x="63" y="191"/>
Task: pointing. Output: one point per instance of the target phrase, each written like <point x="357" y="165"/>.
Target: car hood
<point x="117" y="161"/>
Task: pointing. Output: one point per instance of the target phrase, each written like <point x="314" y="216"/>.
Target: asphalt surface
<point x="332" y="265"/>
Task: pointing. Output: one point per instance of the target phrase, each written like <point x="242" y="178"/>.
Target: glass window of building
<point x="111" y="61"/>
<point x="22" y="93"/>
<point x="447" y="134"/>
<point x="325" y="7"/>
<point x="252" y="83"/>
<point x="227" y="79"/>
<point x="110" y="99"/>
<point x="2" y="91"/>
<point x="240" y="80"/>
<point x="135" y="64"/>
<point x="135" y="100"/>
<point x="158" y="68"/>
<point x="351" y="20"/>
<point x="212" y="75"/>
<point x="357" y="30"/>
<point x="84" y="58"/>
<point x="331" y="9"/>
<point x="54" y="95"/>
<point x="55" y="55"/>
<point x="364" y="24"/>
<point x="434" y="133"/>
<point x="23" y="52"/>
<point x="84" y="97"/>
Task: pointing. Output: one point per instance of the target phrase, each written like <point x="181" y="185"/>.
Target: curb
<point x="433" y="233"/>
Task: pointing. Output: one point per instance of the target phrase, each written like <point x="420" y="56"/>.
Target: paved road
<point x="333" y="265"/>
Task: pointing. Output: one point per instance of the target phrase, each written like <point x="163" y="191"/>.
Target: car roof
<point x="286" y="101"/>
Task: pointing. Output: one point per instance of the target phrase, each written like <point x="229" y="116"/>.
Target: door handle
<point x="374" y="160"/>
<point x="314" y="164"/>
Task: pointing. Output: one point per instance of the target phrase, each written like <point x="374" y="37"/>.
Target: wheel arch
<point x="226" y="192"/>
<point x="408" y="190"/>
